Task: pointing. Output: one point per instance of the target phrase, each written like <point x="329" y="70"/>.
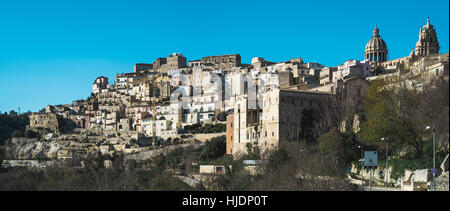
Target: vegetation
<point x="124" y="175"/>
<point x="340" y="147"/>
<point x="287" y="169"/>
<point x="222" y="116"/>
<point x="10" y="124"/>
<point x="398" y="114"/>
<point x="213" y="148"/>
<point x="205" y="128"/>
<point x="401" y="115"/>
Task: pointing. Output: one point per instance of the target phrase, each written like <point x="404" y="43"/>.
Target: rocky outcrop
<point x="35" y="150"/>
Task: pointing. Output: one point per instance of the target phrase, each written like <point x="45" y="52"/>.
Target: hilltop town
<point x="176" y="101"/>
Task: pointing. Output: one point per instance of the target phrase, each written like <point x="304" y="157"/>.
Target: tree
<point x="11" y="123"/>
<point x="253" y="152"/>
<point x="222" y="116"/>
<point x="214" y="148"/>
<point x="435" y="110"/>
<point x="398" y="111"/>
<point x="337" y="146"/>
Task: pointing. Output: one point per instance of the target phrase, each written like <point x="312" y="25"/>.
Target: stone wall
<point x="206" y="137"/>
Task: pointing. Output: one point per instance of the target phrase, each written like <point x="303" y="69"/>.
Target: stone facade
<point x="285" y="115"/>
<point x="141" y="67"/>
<point x="223" y="62"/>
<point x="46" y="120"/>
<point x="172" y="62"/>
<point x="428" y="43"/>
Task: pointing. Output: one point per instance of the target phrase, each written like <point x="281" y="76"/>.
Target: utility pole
<point x="387" y="167"/>
<point x="387" y="157"/>
<point x="434" y="157"/>
<point x="434" y="153"/>
<point x="362" y="160"/>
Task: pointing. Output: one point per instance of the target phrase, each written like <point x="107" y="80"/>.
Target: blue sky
<point x="51" y="51"/>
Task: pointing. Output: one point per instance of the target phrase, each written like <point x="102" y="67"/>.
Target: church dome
<point x="376" y="43"/>
<point x="376" y="48"/>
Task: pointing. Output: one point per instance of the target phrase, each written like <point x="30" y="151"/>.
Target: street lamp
<point x="434" y="154"/>
<point x="387" y="169"/>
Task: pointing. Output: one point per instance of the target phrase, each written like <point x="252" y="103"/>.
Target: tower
<point x="376" y="49"/>
<point x="428" y="43"/>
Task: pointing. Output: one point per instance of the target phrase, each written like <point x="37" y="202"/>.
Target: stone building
<point x="176" y="61"/>
<point x="355" y="68"/>
<point x="428" y="43"/>
<point x="283" y="114"/>
<point x="99" y="84"/>
<point x="326" y="75"/>
<point x="111" y="121"/>
<point x="376" y="50"/>
<point x="124" y="124"/>
<point x="50" y="121"/>
<point x="229" y="134"/>
<point x="163" y="128"/>
<point x="259" y="63"/>
<point x="195" y="63"/>
<point x="142" y="67"/>
<point x="223" y="62"/>
<point x="172" y="62"/>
